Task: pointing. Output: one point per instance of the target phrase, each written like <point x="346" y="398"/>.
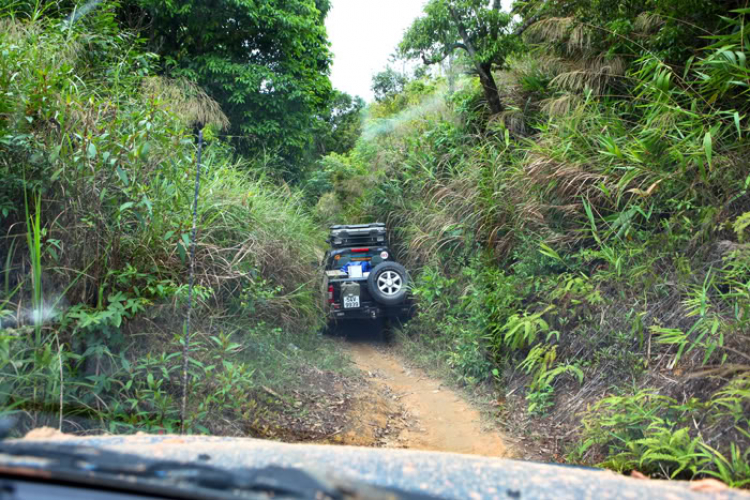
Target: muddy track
<point x="414" y="411"/>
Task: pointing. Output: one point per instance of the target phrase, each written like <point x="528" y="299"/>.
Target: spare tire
<point x="387" y="283"/>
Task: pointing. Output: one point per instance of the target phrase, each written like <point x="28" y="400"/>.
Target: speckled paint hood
<point x="445" y="475"/>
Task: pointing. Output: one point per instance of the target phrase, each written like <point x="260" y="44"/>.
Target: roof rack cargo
<point x="358" y="226"/>
<point x="346" y="235"/>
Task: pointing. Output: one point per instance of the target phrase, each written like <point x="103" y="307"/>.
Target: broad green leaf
<point x="122" y="175"/>
<point x="737" y="124"/>
<point x="708" y="148"/>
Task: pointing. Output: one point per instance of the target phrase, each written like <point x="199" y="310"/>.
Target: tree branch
<point x="495" y="28"/>
<point x="533" y="19"/>
<point x="430" y="62"/>
<point x="447" y="52"/>
<point x="467" y="42"/>
<point x="457" y="45"/>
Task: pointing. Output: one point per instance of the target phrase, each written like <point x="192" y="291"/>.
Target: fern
<point x="549" y="376"/>
<point x="740" y="225"/>
<point x="522" y="330"/>
<point x="734" y="471"/>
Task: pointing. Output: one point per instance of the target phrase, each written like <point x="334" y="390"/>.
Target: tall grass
<point x="7" y="267"/>
<point x="591" y="237"/>
<point x="110" y="148"/>
<point x="34" y="243"/>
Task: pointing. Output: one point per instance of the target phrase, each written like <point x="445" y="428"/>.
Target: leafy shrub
<point x="141" y="393"/>
<point x="540" y="362"/>
<point x="467" y="356"/>
<point x="458" y="312"/>
<point x="106" y="156"/>
<point x="653" y="433"/>
<point x="598" y="222"/>
<point x="521" y="330"/>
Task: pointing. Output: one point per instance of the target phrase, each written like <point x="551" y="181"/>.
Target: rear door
<point x="343" y="257"/>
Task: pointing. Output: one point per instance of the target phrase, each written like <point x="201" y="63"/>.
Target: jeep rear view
<point x="362" y="279"/>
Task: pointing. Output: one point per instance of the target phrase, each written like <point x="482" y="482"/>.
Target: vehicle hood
<point x="445" y="475"/>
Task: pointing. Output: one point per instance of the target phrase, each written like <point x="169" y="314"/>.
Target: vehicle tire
<point x="387" y="283"/>
<point x="391" y="324"/>
<point x="378" y="329"/>
<point x="333" y="329"/>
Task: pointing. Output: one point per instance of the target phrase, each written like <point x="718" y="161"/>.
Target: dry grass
<point x="186" y="100"/>
<point x="596" y="73"/>
<point x="565" y="183"/>
<point x="123" y="180"/>
<point x="648" y="22"/>
<point x="573" y="36"/>
<point x="561" y="106"/>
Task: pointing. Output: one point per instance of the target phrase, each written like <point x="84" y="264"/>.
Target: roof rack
<point x="347" y="235"/>
<point x="359" y="226"/>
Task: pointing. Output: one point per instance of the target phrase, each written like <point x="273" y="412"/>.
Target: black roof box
<point x="347" y="235"/>
<point x="359" y="226"/>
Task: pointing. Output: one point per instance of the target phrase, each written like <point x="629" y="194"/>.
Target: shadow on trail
<point x="361" y="331"/>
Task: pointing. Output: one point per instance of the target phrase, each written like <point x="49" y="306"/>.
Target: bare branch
<point x="448" y="51"/>
<point x="526" y="25"/>
<point x="467" y="41"/>
<point x="531" y="20"/>
<point x="457" y="45"/>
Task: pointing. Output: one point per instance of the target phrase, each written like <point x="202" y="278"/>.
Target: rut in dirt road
<point x="439" y="419"/>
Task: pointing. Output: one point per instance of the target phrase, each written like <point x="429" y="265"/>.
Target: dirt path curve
<point x="438" y="419"/>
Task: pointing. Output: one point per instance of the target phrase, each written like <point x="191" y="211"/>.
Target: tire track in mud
<point x="431" y="416"/>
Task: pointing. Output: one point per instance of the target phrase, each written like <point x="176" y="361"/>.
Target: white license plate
<point x="351" y="301"/>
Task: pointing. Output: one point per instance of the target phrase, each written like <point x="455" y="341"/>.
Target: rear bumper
<point x="370" y="311"/>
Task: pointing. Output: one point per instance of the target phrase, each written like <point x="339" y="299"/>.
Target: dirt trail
<point x="433" y="417"/>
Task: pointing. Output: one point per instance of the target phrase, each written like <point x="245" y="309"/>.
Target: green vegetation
<point x="589" y="241"/>
<point x="387" y="84"/>
<point x="98" y="161"/>
<point x="477" y="27"/>
<point x="266" y="64"/>
<point x="574" y="210"/>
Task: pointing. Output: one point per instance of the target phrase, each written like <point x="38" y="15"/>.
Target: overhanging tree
<point x="478" y="27"/>
<point x="340" y="128"/>
<point x="387" y="83"/>
<point x="266" y="62"/>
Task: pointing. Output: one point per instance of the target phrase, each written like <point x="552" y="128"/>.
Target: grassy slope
<point x="588" y="253"/>
<point x="104" y="153"/>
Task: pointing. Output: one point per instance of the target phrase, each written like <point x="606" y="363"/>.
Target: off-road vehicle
<point x="362" y="280"/>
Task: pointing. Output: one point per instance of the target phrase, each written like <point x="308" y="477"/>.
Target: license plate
<point x="351" y="301"/>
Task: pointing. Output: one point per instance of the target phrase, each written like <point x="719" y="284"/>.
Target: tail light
<point x="330" y="294"/>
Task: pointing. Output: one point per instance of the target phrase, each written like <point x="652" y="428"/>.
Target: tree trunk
<point x="490" y="88"/>
<point x="484" y="69"/>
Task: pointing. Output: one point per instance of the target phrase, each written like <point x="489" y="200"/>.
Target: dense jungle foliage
<point x="571" y="197"/>
<point x="587" y="246"/>
<point x="98" y="168"/>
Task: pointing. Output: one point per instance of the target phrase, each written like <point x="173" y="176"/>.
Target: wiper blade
<point x="109" y="469"/>
<point x="270" y="481"/>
